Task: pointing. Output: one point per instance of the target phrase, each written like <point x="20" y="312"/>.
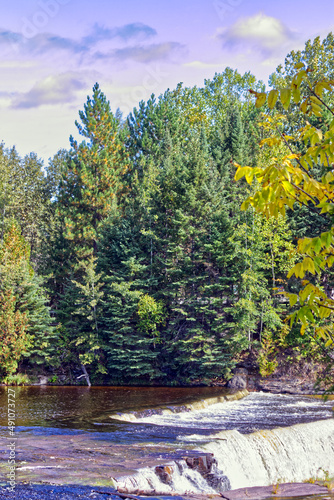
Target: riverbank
<point x="293" y="374"/>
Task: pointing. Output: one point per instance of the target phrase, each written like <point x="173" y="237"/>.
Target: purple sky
<point x="53" y="51"/>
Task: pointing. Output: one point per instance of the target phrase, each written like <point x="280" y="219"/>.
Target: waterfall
<point x="180" y="478"/>
<point x="290" y="454"/>
<point x="295" y="453"/>
<point x="188" y="407"/>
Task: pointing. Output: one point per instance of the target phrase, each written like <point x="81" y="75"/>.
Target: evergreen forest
<point x="128" y="259"/>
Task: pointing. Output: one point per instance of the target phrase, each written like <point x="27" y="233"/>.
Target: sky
<point x="53" y="51"/>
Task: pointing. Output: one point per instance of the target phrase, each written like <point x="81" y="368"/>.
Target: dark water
<point x="83" y="408"/>
<point x="43" y="409"/>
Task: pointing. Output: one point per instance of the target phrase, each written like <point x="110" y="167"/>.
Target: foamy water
<point x="254" y="412"/>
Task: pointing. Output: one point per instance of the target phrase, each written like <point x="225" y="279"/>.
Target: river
<point x="79" y="435"/>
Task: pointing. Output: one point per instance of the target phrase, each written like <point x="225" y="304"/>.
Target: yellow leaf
<point x="261" y="99"/>
<point x="317" y="245"/>
<point x="319" y="133"/>
<point x="303" y="106"/>
<point x="296" y="95"/>
<point x="288" y="187"/>
<point x="318" y="89"/>
<point x="249" y="175"/>
<point x="245" y="204"/>
<point x="293" y="298"/>
<point x="297" y="270"/>
<point x="239" y="173"/>
<point x="285" y="97"/>
<point x="316" y="100"/>
<point x="299" y="65"/>
<point x="272" y="98"/>
<point x="308" y="265"/>
<point x="300" y="76"/>
<point x="324" y="312"/>
<point x="243" y="171"/>
<point x="326" y="85"/>
<point x="316" y="109"/>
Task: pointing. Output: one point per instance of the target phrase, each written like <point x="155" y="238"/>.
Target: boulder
<point x="164" y="472"/>
<point x="237" y="383"/>
<point x="218" y="482"/>
<point x="202" y="463"/>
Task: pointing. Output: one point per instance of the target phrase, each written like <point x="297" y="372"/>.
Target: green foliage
<point x="85" y="330"/>
<point x="151" y="314"/>
<point x="17" y="379"/>
<point x="24" y="197"/>
<point x="154" y="273"/>
<point x="92" y="176"/>
<point x="24" y="317"/>
<point x="14" y="339"/>
<point x="289" y="178"/>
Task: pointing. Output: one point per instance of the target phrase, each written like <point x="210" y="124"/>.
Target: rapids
<point x="271" y="454"/>
<point x="125" y="433"/>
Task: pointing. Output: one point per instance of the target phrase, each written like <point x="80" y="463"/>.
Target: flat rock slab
<point x="65" y="492"/>
<point x="289" y="490"/>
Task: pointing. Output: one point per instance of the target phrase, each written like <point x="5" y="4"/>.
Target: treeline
<point x="128" y="256"/>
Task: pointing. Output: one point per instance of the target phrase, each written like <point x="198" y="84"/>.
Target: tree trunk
<point x="85" y="374"/>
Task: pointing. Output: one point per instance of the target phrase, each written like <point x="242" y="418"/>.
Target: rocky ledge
<point x="287" y="491"/>
<point x="75" y="492"/>
<point x="276" y="384"/>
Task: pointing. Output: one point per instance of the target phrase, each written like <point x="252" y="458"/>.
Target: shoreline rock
<point x="278" y="491"/>
<point x="74" y="492"/>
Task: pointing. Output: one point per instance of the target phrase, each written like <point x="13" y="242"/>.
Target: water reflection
<point x="45" y="406"/>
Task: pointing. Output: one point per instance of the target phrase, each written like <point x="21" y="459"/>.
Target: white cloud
<point x="55" y="89"/>
<point x="265" y="32"/>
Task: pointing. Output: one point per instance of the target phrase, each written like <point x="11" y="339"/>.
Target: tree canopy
<point x="134" y="257"/>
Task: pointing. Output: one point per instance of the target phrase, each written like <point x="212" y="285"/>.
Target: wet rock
<point x="206" y="465"/>
<point x="237" y="383"/>
<point x="202" y="463"/>
<point x="218" y="482"/>
<point x="164" y="472"/>
<point x="240" y="370"/>
<point x="300" y="490"/>
<point x="285" y="386"/>
<point x="239" y="380"/>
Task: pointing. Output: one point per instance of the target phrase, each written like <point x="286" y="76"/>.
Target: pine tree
<point x="93" y="180"/>
<point x="93" y="177"/>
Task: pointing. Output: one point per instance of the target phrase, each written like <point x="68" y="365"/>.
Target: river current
<point x="257" y="440"/>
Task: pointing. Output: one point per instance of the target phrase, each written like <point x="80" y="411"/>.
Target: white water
<point x="283" y="454"/>
<point x="255" y="412"/>
<point x="184" y="480"/>
<point x="158" y="415"/>
<point x="289" y="454"/>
